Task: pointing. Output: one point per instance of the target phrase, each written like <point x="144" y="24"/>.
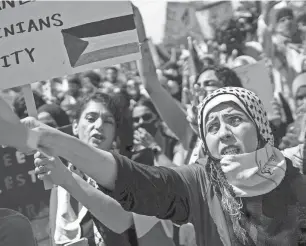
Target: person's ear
<point x="75" y="127"/>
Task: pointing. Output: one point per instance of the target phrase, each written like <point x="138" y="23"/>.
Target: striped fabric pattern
<point x="101" y="40"/>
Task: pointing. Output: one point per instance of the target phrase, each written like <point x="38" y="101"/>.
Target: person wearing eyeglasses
<point x="153" y="141"/>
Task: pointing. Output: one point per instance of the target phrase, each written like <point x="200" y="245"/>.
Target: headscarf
<point x="298" y="82"/>
<point x="249" y="103"/>
<point x="248" y="174"/>
<point x="59" y="115"/>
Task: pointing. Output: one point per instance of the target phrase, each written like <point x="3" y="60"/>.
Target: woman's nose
<point x="99" y="123"/>
<point x="224" y="132"/>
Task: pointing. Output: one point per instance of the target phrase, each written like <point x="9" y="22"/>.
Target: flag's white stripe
<point x="108" y="53"/>
<point x="107" y="62"/>
<point x="110" y="40"/>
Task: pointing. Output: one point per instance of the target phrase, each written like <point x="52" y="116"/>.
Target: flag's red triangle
<point x="74" y="46"/>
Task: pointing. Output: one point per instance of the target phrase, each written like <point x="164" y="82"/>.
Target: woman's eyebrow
<point x="91" y="113"/>
<point x="210" y="119"/>
<point x="233" y="111"/>
<point x="108" y="115"/>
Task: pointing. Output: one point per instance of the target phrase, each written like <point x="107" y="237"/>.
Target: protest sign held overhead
<point x="180" y="23"/>
<point x="41" y="40"/>
<point x="213" y="15"/>
<point x="255" y="77"/>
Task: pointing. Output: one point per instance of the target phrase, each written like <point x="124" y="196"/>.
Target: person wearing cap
<point x="280" y="44"/>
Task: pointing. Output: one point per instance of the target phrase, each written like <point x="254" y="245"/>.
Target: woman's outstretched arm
<point x="154" y="191"/>
<point x="104" y="208"/>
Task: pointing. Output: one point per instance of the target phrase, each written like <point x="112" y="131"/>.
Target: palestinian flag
<point x="101" y="40"/>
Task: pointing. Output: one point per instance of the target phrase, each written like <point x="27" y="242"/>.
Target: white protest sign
<point x="45" y="39"/>
<point x="180" y="22"/>
<point x="255" y="77"/>
<point x="212" y="16"/>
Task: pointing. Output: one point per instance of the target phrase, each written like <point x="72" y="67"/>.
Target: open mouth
<point x="231" y="150"/>
<point x="98" y="137"/>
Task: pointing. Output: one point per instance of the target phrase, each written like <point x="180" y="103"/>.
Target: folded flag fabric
<point x="152" y="231"/>
<point x="101" y="40"/>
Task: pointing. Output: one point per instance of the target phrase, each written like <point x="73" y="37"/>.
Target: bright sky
<point x="154" y="16"/>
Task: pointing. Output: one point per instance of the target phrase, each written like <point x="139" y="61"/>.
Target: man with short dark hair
<point x="112" y="80"/>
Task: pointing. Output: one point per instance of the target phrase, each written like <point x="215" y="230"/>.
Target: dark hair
<point x="301" y="18"/>
<point x="147" y="102"/>
<point x="210" y="61"/>
<point x="20" y="107"/>
<point x="112" y="68"/>
<point x="56" y="112"/>
<point x="56" y="80"/>
<point x="100" y="97"/>
<point x="122" y="99"/>
<point x="75" y="79"/>
<point x="284" y="12"/>
<point x="227" y="76"/>
<point x="232" y="34"/>
<point x="93" y="77"/>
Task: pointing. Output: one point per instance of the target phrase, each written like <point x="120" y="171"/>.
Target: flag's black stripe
<point x="103" y="27"/>
<point x="107" y="53"/>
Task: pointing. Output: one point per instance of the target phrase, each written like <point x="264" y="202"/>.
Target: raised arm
<point x="264" y="30"/>
<point x="153" y="191"/>
<point x="170" y="110"/>
<point x="104" y="208"/>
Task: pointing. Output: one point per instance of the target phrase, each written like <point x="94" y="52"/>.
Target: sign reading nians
<point x="44" y="39"/>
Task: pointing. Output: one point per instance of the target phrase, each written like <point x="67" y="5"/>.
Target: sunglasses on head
<point x="146" y="118"/>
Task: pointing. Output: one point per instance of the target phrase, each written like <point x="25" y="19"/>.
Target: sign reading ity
<point x="44" y="39"/>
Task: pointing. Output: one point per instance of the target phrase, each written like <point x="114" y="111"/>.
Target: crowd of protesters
<point x="151" y="115"/>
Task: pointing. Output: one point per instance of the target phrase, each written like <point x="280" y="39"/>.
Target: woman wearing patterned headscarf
<point x="245" y="192"/>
